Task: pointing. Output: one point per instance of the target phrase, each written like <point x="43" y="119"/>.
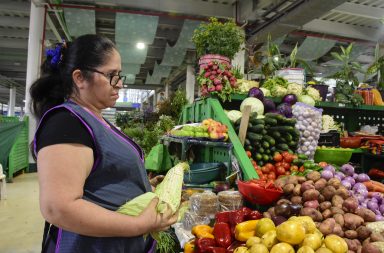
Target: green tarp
<point x="9" y="131"/>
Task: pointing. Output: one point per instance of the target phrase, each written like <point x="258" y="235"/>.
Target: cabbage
<point x="266" y="92"/>
<point x="256" y="105"/>
<point x="307" y="100"/>
<point x="234" y="115"/>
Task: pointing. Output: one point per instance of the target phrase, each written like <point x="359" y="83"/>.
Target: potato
<point x="301" y="179"/>
<point x="343" y="192"/>
<point x="311" y="212"/>
<point x="335" y="182"/>
<point x="336" y="210"/>
<point x="314" y="176"/>
<point x="312" y="204"/>
<point x="327" y="226"/>
<point x="338" y="230"/>
<point x="377" y="237"/>
<point x="339" y="218"/>
<point x="283" y="201"/>
<point x="292" y="180"/>
<point x="326" y="214"/>
<point x="323" y="250"/>
<point x="363" y="232"/>
<point x="311" y="194"/>
<point x="281" y="181"/>
<point x="352" y="221"/>
<point x="366" y="214"/>
<point x="320" y="184"/>
<point x="337" y="201"/>
<point x="288" y="188"/>
<point x="296" y="191"/>
<point x="296" y="200"/>
<point x="353" y="245"/>
<point x="325" y="205"/>
<point x="370" y="248"/>
<point x="307" y="185"/>
<point x="321" y="198"/>
<point x="350" y="234"/>
<point x="350" y="205"/>
<point x="328" y="192"/>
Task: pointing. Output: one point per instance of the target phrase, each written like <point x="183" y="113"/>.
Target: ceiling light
<point x="140" y="45"/>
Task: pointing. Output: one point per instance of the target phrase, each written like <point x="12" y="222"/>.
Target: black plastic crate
<point x="330" y="139"/>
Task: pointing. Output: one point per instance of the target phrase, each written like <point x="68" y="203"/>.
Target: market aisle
<point x="21" y="224"/>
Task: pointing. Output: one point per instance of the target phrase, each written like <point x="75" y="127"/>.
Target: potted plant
<point x="217" y="41"/>
<point x="377" y="67"/>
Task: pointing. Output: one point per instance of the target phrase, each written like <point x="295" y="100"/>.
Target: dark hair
<point x="56" y="84"/>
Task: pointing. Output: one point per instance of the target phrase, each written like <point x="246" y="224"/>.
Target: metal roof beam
<point x="13" y="6"/>
<point x="188" y="7"/>
<point x="343" y="30"/>
<point x="143" y="86"/>
<point x="14" y="43"/>
<point x="360" y="10"/>
<point x="21" y="22"/>
<point x="18" y="33"/>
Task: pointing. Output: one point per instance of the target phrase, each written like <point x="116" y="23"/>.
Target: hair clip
<point x="55" y="55"/>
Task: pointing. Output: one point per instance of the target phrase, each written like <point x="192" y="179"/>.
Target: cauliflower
<point x="294" y="88"/>
<point x="315" y="94"/>
<point x="245" y="85"/>
<point x="278" y="91"/>
<point x="266" y="92"/>
<point x="329" y="123"/>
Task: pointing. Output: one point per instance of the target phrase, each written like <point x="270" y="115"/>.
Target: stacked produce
<point x="309" y="124"/>
<point x="217" y="78"/>
<point x="330" y="204"/>
<point x="274" y="133"/>
<point x="208" y="128"/>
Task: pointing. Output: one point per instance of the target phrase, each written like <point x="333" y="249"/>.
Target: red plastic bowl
<point x="257" y="194"/>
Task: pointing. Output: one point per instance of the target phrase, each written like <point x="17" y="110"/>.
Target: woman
<point x="86" y="167"/>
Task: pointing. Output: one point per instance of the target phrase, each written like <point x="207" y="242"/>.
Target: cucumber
<point x="292" y="144"/>
<point x="289" y="122"/>
<point x="270" y="121"/>
<point x="257" y="121"/>
<point x="282" y="146"/>
<point x="276" y="134"/>
<point x="261" y="150"/>
<point x="264" y="132"/>
<point x="269" y="139"/>
<point x="265" y="158"/>
<point x="288" y="137"/>
<point x="266" y="144"/>
<point x="283" y="129"/>
<point x="257" y="128"/>
<point x="302" y="156"/>
<point x="275" y="116"/>
<point x="254" y="137"/>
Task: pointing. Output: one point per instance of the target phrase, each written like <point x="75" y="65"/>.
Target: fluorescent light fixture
<point x="140" y="45"/>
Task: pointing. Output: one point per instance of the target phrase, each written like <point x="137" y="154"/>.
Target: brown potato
<point x="363" y="232"/>
<point x="288" y="188"/>
<point x="353" y="245"/>
<point x="352" y="221"/>
<point x="296" y="190"/>
<point x="314" y="176"/>
<point x="339" y="218"/>
<point x="321" y="198"/>
<point x="328" y="192"/>
<point x="335" y="182"/>
<point x="296" y="200"/>
<point x="343" y="192"/>
<point x="307" y="185"/>
<point x="311" y="212"/>
<point x="301" y="179"/>
<point x="338" y="230"/>
<point x="377" y="237"/>
<point x="310" y="194"/>
<point x="366" y="214"/>
<point x="350" y="234"/>
<point x="350" y="205"/>
<point x="281" y="181"/>
<point x="320" y="184"/>
<point x="337" y="201"/>
<point x="336" y="210"/>
<point x="326" y="214"/>
<point x="292" y="180"/>
<point x="370" y="248"/>
<point x="283" y="201"/>
<point x="325" y="205"/>
<point x="327" y="226"/>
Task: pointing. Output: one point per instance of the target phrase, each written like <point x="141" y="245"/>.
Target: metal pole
<point x="36" y="26"/>
<point x="190" y="84"/>
<point x="12" y="101"/>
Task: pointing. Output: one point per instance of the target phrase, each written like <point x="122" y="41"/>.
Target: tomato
<point x="278" y="164"/>
<point x="277" y="157"/>
<point x="294" y="168"/>
<point x="301" y="169"/>
<point x="288" y="158"/>
<point x="271" y="181"/>
<point x="272" y="175"/>
<point x="265" y="169"/>
<point x="249" y="154"/>
<point x="285" y="165"/>
<point x="270" y="167"/>
<point x="254" y="163"/>
<point x="280" y="170"/>
<point x="258" y="171"/>
<point x="323" y="164"/>
<point x="264" y="177"/>
<point x="295" y="157"/>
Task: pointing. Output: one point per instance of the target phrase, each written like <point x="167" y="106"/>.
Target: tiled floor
<point x="21" y="224"/>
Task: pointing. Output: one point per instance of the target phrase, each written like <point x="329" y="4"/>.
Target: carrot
<point x="374" y="186"/>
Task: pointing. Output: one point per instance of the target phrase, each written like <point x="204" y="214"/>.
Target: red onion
<point x="362" y="178"/>
<point x="379" y="218"/>
<point x="330" y="168"/>
<point x="346" y="184"/>
<point x="373" y="205"/>
<point x="359" y="186"/>
<point x="347" y="169"/>
<point x="327" y="174"/>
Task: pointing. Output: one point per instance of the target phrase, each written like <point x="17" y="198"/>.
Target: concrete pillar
<point x="36" y="26"/>
<point x="239" y="59"/>
<point x="154" y="101"/>
<point x="190" y="84"/>
<point x="166" y="93"/>
<point x="12" y="101"/>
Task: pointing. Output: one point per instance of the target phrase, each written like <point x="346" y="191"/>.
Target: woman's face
<point x="99" y="92"/>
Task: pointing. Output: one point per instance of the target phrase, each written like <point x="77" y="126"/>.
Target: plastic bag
<point x="230" y="200"/>
<point x="158" y="159"/>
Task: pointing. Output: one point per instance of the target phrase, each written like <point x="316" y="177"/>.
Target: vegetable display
<point x="309" y="124"/>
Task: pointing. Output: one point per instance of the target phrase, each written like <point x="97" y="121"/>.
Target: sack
<point x="158" y="159"/>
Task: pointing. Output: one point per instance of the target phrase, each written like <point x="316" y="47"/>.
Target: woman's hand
<point x="158" y="221"/>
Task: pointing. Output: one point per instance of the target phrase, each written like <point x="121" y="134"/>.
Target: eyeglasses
<point x="113" y="79"/>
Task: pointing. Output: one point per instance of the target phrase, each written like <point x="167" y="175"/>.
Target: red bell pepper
<point x="254" y="215"/>
<point x="222" y="234"/>
<point x="217" y="250"/>
<point x="246" y="210"/>
<point x="235" y="217"/>
<point x="204" y="245"/>
<point x="234" y="245"/>
<point x="222" y="216"/>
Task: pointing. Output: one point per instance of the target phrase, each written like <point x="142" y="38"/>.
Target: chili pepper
<point x="203" y="231"/>
<point x="217" y="250"/>
<point x="203" y="245"/>
<point x="245" y="230"/>
<point x="189" y="247"/>
<point x="234" y="245"/>
<point x="246" y="210"/>
<point x="254" y="215"/>
<point x="223" y="216"/>
<point x="222" y="234"/>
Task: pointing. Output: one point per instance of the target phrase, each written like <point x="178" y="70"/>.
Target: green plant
<point x="218" y="38"/>
<point x="377" y="67"/>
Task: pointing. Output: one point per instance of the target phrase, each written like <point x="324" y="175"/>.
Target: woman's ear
<point x="78" y="79"/>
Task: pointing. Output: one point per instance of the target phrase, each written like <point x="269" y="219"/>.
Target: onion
<point x="350" y="180"/>
<point x="374" y="200"/>
<point x="346" y="184"/>
<point x="373" y="205"/>
<point x="379" y="218"/>
<point x="340" y="175"/>
<point x="381" y="208"/>
<point x="355" y="175"/>
<point x="330" y="168"/>
<point x="359" y="186"/>
<point x="362" y="177"/>
<point x="327" y="174"/>
<point x="360" y="198"/>
<point x="347" y="169"/>
<point x="363" y="193"/>
<point x="364" y="205"/>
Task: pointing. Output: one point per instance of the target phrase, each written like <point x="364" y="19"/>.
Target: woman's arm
<point x="62" y="170"/>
